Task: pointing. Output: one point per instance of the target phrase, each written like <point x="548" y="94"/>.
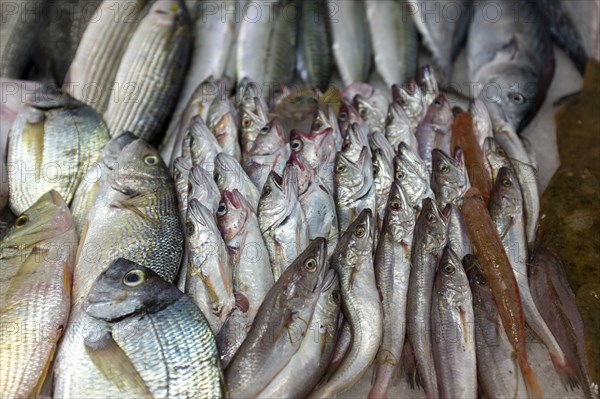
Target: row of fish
<point x="327" y="251"/>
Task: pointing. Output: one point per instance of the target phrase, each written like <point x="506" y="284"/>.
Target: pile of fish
<point x="278" y="243"/>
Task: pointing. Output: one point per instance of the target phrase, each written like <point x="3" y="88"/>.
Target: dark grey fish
<point x="314" y="59"/>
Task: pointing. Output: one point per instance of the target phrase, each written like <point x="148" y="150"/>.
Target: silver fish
<point x="482" y="123"/>
<point x="370" y="113"/>
<point x="318" y="150"/>
<point x="356" y="139"/>
<point x="383" y="177"/>
<point x="222" y="120"/>
<point x="377" y="140"/>
<point x="434" y="131"/>
<point x="203" y="188"/>
<point x="411" y="173"/>
<point x="495" y="157"/>
<point x="200" y="146"/>
<point x="449" y="178"/>
<point x="411" y="100"/>
<point x="327" y="119"/>
<point x="229" y="175"/>
<point x="398" y="128"/>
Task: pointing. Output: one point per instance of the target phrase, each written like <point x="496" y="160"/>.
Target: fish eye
<point x="317" y="124"/>
<point x="265" y="129"/>
<point x="246" y="122"/>
<point x="506" y="183"/>
<point x="362" y="111"/>
<point x="480" y="279"/>
<point x="399" y="175"/>
<point x="310" y="265"/>
<point x="448" y="268"/>
<point x="266" y="190"/>
<point x="340" y="168"/>
<point x="437" y="103"/>
<point x="189" y="226"/>
<point x="335" y="295"/>
<point x="443" y="168"/>
<point x="501" y="152"/>
<point x="390" y="119"/>
<point x="395" y="204"/>
<point x="134" y="277"/>
<point x="343" y="116"/>
<point x="222" y="209"/>
<point x="216" y="176"/>
<point x="360" y="231"/>
<point x="430" y="217"/>
<point x="375" y="170"/>
<point x="296" y="145"/>
<point x="517" y="98"/>
<point x="150" y="160"/>
<point x="276" y="91"/>
<point x="21" y="221"/>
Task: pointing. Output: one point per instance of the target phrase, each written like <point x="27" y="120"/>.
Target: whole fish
<point x="511" y="58"/>
<point x="282" y="221"/>
<point x="135" y="216"/>
<point x="383" y="177"/>
<point x="229" y="175"/>
<point x="269" y="152"/>
<point x="411" y="173"/>
<point x="52" y="144"/>
<point x="351" y="41"/>
<point x="20" y="23"/>
<point x="392" y="271"/>
<point x="92" y="73"/>
<point x="354" y="189"/>
<point x="150" y="75"/>
<point x="527" y="173"/>
<point x="498" y="373"/>
<point x="314" y="61"/>
<point x="317" y="203"/>
<point x="249" y="262"/>
<point x="353" y="262"/>
<point x="498" y="273"/>
<point x="394" y="40"/>
<point x="222" y="120"/>
<point x="453" y="329"/>
<point x="318" y="150"/>
<point x="556" y="302"/>
<point x="411" y="100"/>
<point x="95" y="176"/>
<point x="280" y="325"/>
<point x="430" y="238"/>
<point x="495" y="158"/>
<point x="37" y="257"/>
<point x="506" y="211"/>
<point x="398" y="128"/>
<point x="435" y="131"/>
<point x="173" y="353"/>
<point x="266" y="45"/>
<point x="209" y="281"/>
<point x="443" y="27"/>
<point x="316" y="349"/>
<point x="449" y="177"/>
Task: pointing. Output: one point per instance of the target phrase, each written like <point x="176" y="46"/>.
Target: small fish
<point x="229" y="175"/>
<point x="357" y="138"/>
<point x="434" y="131"/>
<point x="318" y="150"/>
<point x="370" y="113"/>
<point x="200" y="147"/>
<point x="411" y="100"/>
<point x="383" y="177"/>
<point x="222" y="120"/>
<point x="411" y="173"/>
<point x="398" y="128"/>
<point x="253" y="114"/>
<point x="449" y="178"/>
<point x="495" y="158"/>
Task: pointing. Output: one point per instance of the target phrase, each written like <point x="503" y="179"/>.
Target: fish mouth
<point x="277" y="180"/>
<point x="232" y="199"/>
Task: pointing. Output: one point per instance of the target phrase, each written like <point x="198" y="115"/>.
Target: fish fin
<point x="133" y="204"/>
<point x="531" y="382"/>
<point x="565" y="372"/>
<point x="115" y="366"/>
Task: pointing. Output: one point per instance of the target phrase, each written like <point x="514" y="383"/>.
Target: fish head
<point x="306" y="145"/>
<point x="397" y="122"/>
<point x="399" y="218"/>
<point x="451" y="277"/>
<point x="304" y="171"/>
<point x="356" y="138"/>
<point x="113" y="148"/>
<point x="202" y="186"/>
<point x="126" y="288"/>
<point x="383" y="171"/>
<point x="304" y="277"/>
<point x="410" y="98"/>
<point x="506" y="196"/>
<point x="348" y="178"/>
<point x="449" y="179"/>
<point x="377" y="140"/>
<point x="47" y="218"/>
<point x="200" y="142"/>
<point x="200" y="222"/>
<point x="271" y="137"/>
<point x="347" y="116"/>
<point x="411" y="173"/>
<point x="253" y="117"/>
<point x="273" y="203"/>
<point x="432" y="226"/>
<point x="439" y="112"/>
<point x="368" y="111"/>
<point x="232" y="213"/>
<point x="140" y="169"/>
<point x="479" y="285"/>
<point x="357" y="240"/>
<point x="321" y="122"/>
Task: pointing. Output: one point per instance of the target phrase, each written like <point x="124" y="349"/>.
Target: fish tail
<point x="531" y="383"/>
<point x="383" y="380"/>
<point x="567" y="374"/>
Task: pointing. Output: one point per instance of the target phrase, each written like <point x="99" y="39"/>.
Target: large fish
<point x="173" y="354"/>
<point x="37" y="255"/>
<point x="430" y="238"/>
<point x="92" y="73"/>
<point x="453" y="329"/>
<point x="511" y="58"/>
<point x="353" y="262"/>
<point x="150" y="75"/>
<point x="52" y="144"/>
<point x="394" y="40"/>
<point x="280" y="325"/>
<point x="392" y="271"/>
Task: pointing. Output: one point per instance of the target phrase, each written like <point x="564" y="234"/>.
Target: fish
<point x="282" y="220"/>
<point x="495" y="158"/>
<point x="453" y="329"/>
<point x="527" y="173"/>
<point x="498" y="373"/>
<point x="449" y="177"/>
<point x="200" y="147"/>
<point x="443" y="27"/>
<point x="20" y="23"/>
<point x="434" y="131"/>
<point x="229" y="175"/>
<point x="203" y="188"/>
<point x="506" y="211"/>
<point x="316" y="348"/>
<point x="181" y="175"/>
<point x="317" y="203"/>
<point x="52" y="144"/>
<point x="464" y="136"/>
<point x="209" y="280"/>
<point x="370" y="113"/>
<point x="325" y="119"/>
<point x="96" y="174"/>
<point x="150" y="75"/>
<point x="280" y="324"/>
<point x="347" y="116"/>
<point x="410" y="98"/>
<point x="266" y="45"/>
<point x="356" y="139"/>
<point x="555" y="300"/>
<point x="511" y="58"/>
<point x="253" y="114"/>
<point x="429" y="85"/>
<point x="394" y="40"/>
<point x="135" y="216"/>
<point x="383" y="177"/>
<point x="92" y="73"/>
<point x="392" y="271"/>
<point x="314" y="61"/>
<point x="38" y="255"/>
<point x="458" y="239"/>
<point x="353" y="262"/>
<point x="318" y="150"/>
<point x="377" y="98"/>
<point x="354" y="189"/>
<point x="398" y="128"/>
<point x="174" y="351"/>
<point x="351" y="40"/>
<point x="251" y="267"/>
<point x="411" y="173"/>
<point x="429" y="239"/>
<point x="377" y="141"/>
<point x="222" y="120"/>
<point x="498" y="273"/>
<point x="482" y="124"/>
<point x="269" y="152"/>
